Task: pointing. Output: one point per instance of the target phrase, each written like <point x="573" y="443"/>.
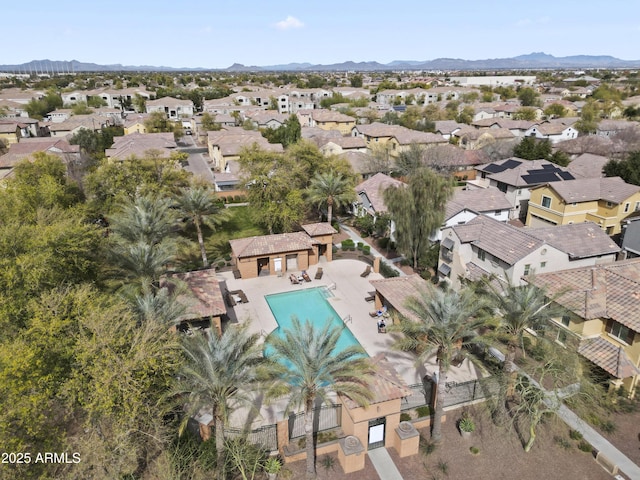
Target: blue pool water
<point x="308" y="304"/>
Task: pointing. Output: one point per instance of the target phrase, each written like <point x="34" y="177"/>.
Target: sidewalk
<point x="383" y="464"/>
<point x="357" y="238"/>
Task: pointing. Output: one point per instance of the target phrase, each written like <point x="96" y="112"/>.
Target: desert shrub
<point x="562" y="442"/>
<point x="423" y="411"/>
<point x="608" y="426"/>
<point x="221" y="264"/>
<point x="575" y="435"/>
<point x="386" y="271"/>
<point x="366" y="249"/>
<point x="328" y="462"/>
<point x="585" y="446"/>
<point x="405" y="417"/>
<point x="427" y="447"/>
<point x="474" y="450"/>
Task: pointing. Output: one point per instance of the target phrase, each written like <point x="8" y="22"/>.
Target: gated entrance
<point x="376" y="433"/>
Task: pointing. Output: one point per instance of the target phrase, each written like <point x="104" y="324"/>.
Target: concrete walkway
<point x="599" y="443"/>
<point x="357" y="238"/>
<point x="383" y="464"/>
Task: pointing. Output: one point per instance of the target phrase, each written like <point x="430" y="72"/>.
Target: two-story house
<point x="515" y="177"/>
<point x="484" y="246"/>
<point x="604" y="201"/>
<point x="174" y="108"/>
<point x="228" y="143"/>
<point x="370" y="196"/>
<point x="602" y="317"/>
<point x="554" y="132"/>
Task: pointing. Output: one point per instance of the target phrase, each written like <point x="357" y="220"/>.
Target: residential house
<point x="604" y="201"/>
<point x="330" y="120"/>
<point x="471" y="138"/>
<point x="509" y="110"/>
<point x="484" y="246"/>
<point x="517" y="127"/>
<point x="465" y="205"/>
<point x="515" y="177"/>
<point x="602" y="317"/>
<point x="9" y="132"/>
<point x="134" y="123"/>
<point x="284" y="252"/>
<point x="395" y="138"/>
<point x="18" y="152"/>
<point x="75" y="123"/>
<point x="494" y="80"/>
<point x="336" y="146"/>
<point x="228" y="143"/>
<point x="370" y="195"/>
<point x="11" y="109"/>
<point x="265" y="118"/>
<point x="448" y="128"/>
<point x="174" y="108"/>
<point x="587" y="165"/>
<point x="363" y="164"/>
<point x="608" y="128"/>
<point x="227" y="182"/>
<point x="139" y="145"/>
<point x="630" y="235"/>
<point x="554" y="132"/>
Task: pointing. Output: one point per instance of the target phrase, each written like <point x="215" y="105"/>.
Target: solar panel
<point x="510" y="164"/>
<point x="493" y="168"/>
<point x="542" y="177"/>
<point x="548" y="166"/>
<point x="566" y="176"/>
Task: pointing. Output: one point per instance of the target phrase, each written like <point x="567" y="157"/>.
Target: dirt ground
<point x="626" y="436"/>
<point x="500" y="456"/>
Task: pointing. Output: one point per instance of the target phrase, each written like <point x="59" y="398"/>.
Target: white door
<point x="292" y="262"/>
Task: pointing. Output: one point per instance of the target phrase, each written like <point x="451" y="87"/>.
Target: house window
<point x="626" y="207"/>
<point x="546" y="201"/>
<point x="502" y="187"/>
<point x="565" y="320"/>
<point x="482" y="255"/>
<point x="543" y="264"/>
<point x="562" y="336"/>
<point x="609" y="204"/>
<point x="527" y="269"/>
<point x="497" y="213"/>
<point x="637" y="206"/>
<point x="622" y="333"/>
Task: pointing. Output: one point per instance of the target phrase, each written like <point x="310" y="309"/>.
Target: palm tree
<point x="221" y="373"/>
<point x="330" y="188"/>
<point x="314" y="368"/>
<point x="141" y="264"/>
<point x="520" y="308"/>
<point x="200" y="207"/>
<point x="147" y="219"/>
<point x="445" y="324"/>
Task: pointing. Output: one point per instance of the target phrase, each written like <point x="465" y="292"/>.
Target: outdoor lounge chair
<point x="371" y="297"/>
<point x="230" y="301"/>
<point x="366" y="272"/>
<point x="293" y="279"/>
<point x="243" y="297"/>
<point x="319" y="273"/>
<point x="306" y="276"/>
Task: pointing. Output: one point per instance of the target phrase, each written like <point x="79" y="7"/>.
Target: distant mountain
<point x="536" y="60"/>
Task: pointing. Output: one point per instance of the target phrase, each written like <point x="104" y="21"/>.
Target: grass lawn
<point x="238" y="226"/>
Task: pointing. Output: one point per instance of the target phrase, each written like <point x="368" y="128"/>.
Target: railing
<point x="324" y="418"/>
<point x="347" y="319"/>
<point x="331" y="286"/>
<point x="482" y="388"/>
<point x="266" y="436"/>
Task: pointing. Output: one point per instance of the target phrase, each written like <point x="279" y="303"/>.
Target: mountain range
<point x="532" y="61"/>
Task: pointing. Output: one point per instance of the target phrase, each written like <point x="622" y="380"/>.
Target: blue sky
<point x="217" y="33"/>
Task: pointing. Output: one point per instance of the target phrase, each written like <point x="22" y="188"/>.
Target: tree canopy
<point x="628" y="169"/>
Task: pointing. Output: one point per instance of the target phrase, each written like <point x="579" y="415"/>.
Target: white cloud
<point x="289" y="23"/>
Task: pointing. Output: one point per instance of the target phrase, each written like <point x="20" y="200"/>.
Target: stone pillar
<point x="406" y="439"/>
<point x="351" y="454"/>
<point x="376" y="264"/>
<point x="282" y="434"/>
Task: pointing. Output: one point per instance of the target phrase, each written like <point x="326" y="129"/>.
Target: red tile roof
<point x="607" y="356"/>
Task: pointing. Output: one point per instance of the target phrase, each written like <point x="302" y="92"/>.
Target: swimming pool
<point x="311" y="304"/>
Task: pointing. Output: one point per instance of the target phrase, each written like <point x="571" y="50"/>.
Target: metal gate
<point x="377" y="429"/>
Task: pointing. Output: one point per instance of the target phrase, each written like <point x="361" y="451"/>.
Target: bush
<point x="227" y="257"/>
<point x="562" y="442"/>
<point x="405" y="417"/>
<point x="474" y="450"/>
<point x="466" y="424"/>
<point x="585" y="446"/>
<point x="386" y="271"/>
<point x="383" y="242"/>
<point x="221" y="264"/>
<point x="347" y="244"/>
<point x="608" y="426"/>
<point x="423" y="411"/>
<point x="575" y="435"/>
<point x="366" y="249"/>
<point x="360" y="245"/>
<point x="364" y="224"/>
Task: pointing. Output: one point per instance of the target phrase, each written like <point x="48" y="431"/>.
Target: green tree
<point x="528" y="97"/>
<point x="589" y="118"/>
<point x="200" y="207"/>
<point x="314" y="369"/>
<point x="288" y="134"/>
<point x="221" y="373"/>
<point x="158" y="122"/>
<point x="525" y="113"/>
<point x="531" y="148"/>
<point x="628" y="169"/>
<point x="38" y="108"/>
<point x="356" y="81"/>
<point x="139" y="103"/>
<point x="445" y="322"/>
<point x="81" y="108"/>
<point x="331" y="189"/>
<point x="411" y="160"/>
<point x="555" y="110"/>
<point x="418" y="210"/>
<point x="209" y="122"/>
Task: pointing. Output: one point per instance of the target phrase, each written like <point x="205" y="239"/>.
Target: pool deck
<point x="348" y="301"/>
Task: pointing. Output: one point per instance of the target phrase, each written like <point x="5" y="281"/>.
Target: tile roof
<point x="331" y="116"/>
<point x="578" y="240"/>
<point x="386" y="383"/>
<point x="271" y="244"/>
<point x="518" y="172"/>
<point x="206" y="299"/>
<point x="137" y="144"/>
<point x="374" y="188"/>
<point x="403" y="135"/>
<point x="607" y="356"/>
<point x="612" y="189"/>
<point x="397" y="290"/>
<point x="26" y="148"/>
<point x="320" y="228"/>
<point x="601" y="291"/>
<point x="587" y="165"/>
<point x="479" y="200"/>
<point x="503" y="241"/>
<point x="231" y="140"/>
